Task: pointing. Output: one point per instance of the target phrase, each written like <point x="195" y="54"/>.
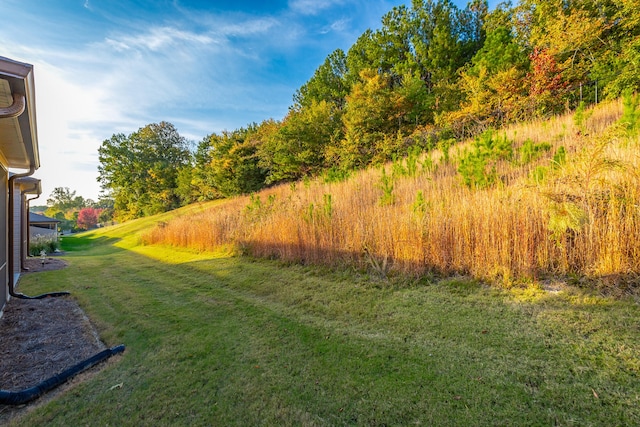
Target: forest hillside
<point x="432" y="75"/>
<point x="501" y="144"/>
<point x="544" y="201"/>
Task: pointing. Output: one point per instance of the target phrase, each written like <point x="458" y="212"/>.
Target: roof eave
<point x="21" y="80"/>
<point x="29" y="185"/>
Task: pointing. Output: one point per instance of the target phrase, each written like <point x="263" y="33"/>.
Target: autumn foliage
<point x="561" y="205"/>
<point x="450" y="141"/>
<point x="88" y="218"/>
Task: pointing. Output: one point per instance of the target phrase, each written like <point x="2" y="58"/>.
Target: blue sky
<point x="113" y="66"/>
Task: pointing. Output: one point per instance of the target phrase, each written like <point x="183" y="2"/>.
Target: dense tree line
<point x="432" y="71"/>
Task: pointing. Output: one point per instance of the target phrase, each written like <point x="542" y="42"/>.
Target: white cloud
<point x="311" y="7"/>
<point x="117" y="45"/>
<point x="337" y="26"/>
<point x="157" y="39"/>
<point x="249" y="27"/>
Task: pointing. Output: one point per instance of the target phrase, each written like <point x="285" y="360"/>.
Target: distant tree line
<point x="75" y="212"/>
<point x="432" y="72"/>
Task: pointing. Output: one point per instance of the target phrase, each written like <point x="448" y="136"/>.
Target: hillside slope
<point x="542" y="201"/>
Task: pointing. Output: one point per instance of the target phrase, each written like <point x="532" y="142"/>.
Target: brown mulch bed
<point x="34" y="265"/>
<point x="41" y="338"/>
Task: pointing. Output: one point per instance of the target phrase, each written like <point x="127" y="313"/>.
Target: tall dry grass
<point x="582" y="219"/>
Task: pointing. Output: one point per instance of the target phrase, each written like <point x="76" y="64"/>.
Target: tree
<point x="619" y="65"/>
<point x="472" y="23"/>
<point x="231" y="162"/>
<point x="88" y="218"/>
<point x="298" y="147"/>
<point x="378" y="115"/>
<point x="445" y="38"/>
<point x="493" y="82"/>
<point x="395" y="53"/>
<point x="369" y="116"/>
<point x="62" y="199"/>
<point x="63" y="204"/>
<point x="573" y="32"/>
<point x="499" y="53"/>
<point x="361" y="56"/>
<point x="430" y="41"/>
<point x="327" y="84"/>
<point x="547" y="87"/>
<point x="140" y="170"/>
<point x="105" y="205"/>
<point x="589" y="41"/>
<point x="196" y="181"/>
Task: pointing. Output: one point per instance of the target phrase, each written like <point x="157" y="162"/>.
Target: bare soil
<point x="41" y="338"/>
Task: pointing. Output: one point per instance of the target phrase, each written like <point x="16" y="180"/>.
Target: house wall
<point x="4" y="279"/>
<point x="18" y="150"/>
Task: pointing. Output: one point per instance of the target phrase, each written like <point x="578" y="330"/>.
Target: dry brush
<point x="570" y="210"/>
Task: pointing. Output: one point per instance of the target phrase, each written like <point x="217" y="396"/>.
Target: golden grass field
<point x="542" y="221"/>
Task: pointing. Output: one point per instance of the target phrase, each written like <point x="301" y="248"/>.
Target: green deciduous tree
<point x="298" y="148"/>
<point x="590" y="41"/>
<point x="63" y="199"/>
<point x="493" y="82"/>
<point x="571" y="31"/>
<point x="378" y="117"/>
<point x="370" y="115"/>
<point x="619" y="66"/>
<point x="140" y="170"/>
<point x="231" y="163"/>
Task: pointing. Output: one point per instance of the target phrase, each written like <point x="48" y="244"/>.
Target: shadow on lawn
<point x="77" y="245"/>
<point x="618" y="285"/>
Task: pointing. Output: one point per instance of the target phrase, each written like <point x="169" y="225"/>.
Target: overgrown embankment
<point x="539" y="201"/>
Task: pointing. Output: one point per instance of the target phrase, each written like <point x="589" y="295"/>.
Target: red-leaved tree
<point x="547" y="86"/>
<point x="88" y="218"/>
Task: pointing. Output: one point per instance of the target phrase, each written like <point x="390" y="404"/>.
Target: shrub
<point x="531" y="151"/>
<point x="386" y="185"/>
<point x="40" y="242"/>
<point x="559" y="158"/>
<point x="630" y="119"/>
<point x="335" y="174"/>
<point x="478" y="165"/>
<point x="565" y="219"/>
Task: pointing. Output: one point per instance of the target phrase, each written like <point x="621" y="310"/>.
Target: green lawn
<point x="219" y="340"/>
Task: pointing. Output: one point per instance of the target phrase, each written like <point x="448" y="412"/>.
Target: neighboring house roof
<point x="18" y="135"/>
<point x="35" y="218"/>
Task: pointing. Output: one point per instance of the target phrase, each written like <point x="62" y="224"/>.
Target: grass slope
<point x="552" y="200"/>
<point x="219" y="340"/>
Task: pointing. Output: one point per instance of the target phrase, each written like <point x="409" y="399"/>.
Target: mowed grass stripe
<point x="213" y="340"/>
